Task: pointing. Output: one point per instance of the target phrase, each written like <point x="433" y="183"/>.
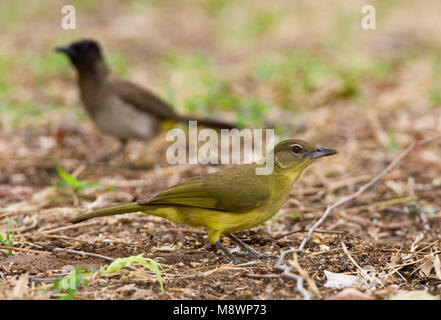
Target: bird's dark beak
<point x="322" y="152"/>
<point x="64" y="49"/>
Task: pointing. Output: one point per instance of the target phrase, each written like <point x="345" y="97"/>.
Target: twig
<point x="311" y="283"/>
<point x="24" y="250"/>
<point x="413" y="252"/>
<point x="360" y="269"/>
<point x="78" y="171"/>
<point x="404" y="251"/>
<point x="84" y="254"/>
<point x="367" y="222"/>
<point x="51" y="279"/>
<point x="72" y="226"/>
<point x="5" y="214"/>
<point x="304" y="230"/>
<point x="264" y="276"/>
<point x="322" y="252"/>
<point x="384" y="203"/>
<point x="287" y="273"/>
<point x="399" y="266"/>
<point x="392" y="265"/>
<point x="53" y="236"/>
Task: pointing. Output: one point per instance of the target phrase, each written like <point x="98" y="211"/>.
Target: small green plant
<point x="139" y="260"/>
<point x="435" y="84"/>
<point x="119" y="62"/>
<point x="261" y="23"/>
<point x="293" y="216"/>
<point x="71" y="282"/>
<point x="392" y="143"/>
<point x="46" y="64"/>
<point x="435" y="96"/>
<point x="253" y="111"/>
<point x="6" y="240"/>
<point x="76" y="184"/>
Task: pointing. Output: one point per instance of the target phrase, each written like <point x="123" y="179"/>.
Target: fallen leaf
<point x="337" y="280"/>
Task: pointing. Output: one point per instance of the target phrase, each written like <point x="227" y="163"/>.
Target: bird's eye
<point x="296" y="148"/>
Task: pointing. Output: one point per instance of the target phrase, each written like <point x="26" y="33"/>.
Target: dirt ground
<point x="393" y="228"/>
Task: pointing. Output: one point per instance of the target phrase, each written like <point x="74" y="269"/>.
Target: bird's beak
<point x="322" y="152"/>
<point x="64" y="49"/>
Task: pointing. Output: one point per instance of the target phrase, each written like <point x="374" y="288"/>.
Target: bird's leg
<point x="227" y="252"/>
<point x="112" y="155"/>
<point x="251" y="252"/>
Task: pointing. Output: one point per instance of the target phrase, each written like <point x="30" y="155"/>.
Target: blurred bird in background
<point x="119" y="107"/>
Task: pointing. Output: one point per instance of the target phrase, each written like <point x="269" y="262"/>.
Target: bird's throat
<point x="293" y="171"/>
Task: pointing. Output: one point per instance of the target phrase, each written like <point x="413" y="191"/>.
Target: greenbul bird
<point x="231" y="200"/>
<point x="119" y="107"/>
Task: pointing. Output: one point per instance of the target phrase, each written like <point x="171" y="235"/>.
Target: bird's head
<point x="84" y="54"/>
<point x="293" y="154"/>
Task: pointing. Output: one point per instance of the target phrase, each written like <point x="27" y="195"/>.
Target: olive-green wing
<point x="234" y="190"/>
<point x="143" y="99"/>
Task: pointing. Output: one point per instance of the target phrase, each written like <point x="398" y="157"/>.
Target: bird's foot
<point x="251" y="253"/>
<point x="228" y="253"/>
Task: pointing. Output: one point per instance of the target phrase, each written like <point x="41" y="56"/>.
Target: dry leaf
<point x="337" y="280"/>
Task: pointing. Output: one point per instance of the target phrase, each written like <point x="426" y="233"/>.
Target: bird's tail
<point x="110" y="211"/>
<point x="211" y="123"/>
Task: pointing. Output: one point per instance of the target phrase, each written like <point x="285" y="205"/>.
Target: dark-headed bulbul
<point x="117" y="106"/>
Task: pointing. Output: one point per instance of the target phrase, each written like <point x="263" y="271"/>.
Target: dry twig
<point x="84" y="254"/>
<point x="311" y="283"/>
<point x="72" y="226"/>
<point x="24" y="250"/>
<point x="287" y="273"/>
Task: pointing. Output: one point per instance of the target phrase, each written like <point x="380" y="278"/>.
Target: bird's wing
<point x="230" y="190"/>
<point x="146" y="101"/>
<point x="143" y="99"/>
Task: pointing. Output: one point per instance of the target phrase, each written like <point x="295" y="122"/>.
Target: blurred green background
<point x="251" y="61"/>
